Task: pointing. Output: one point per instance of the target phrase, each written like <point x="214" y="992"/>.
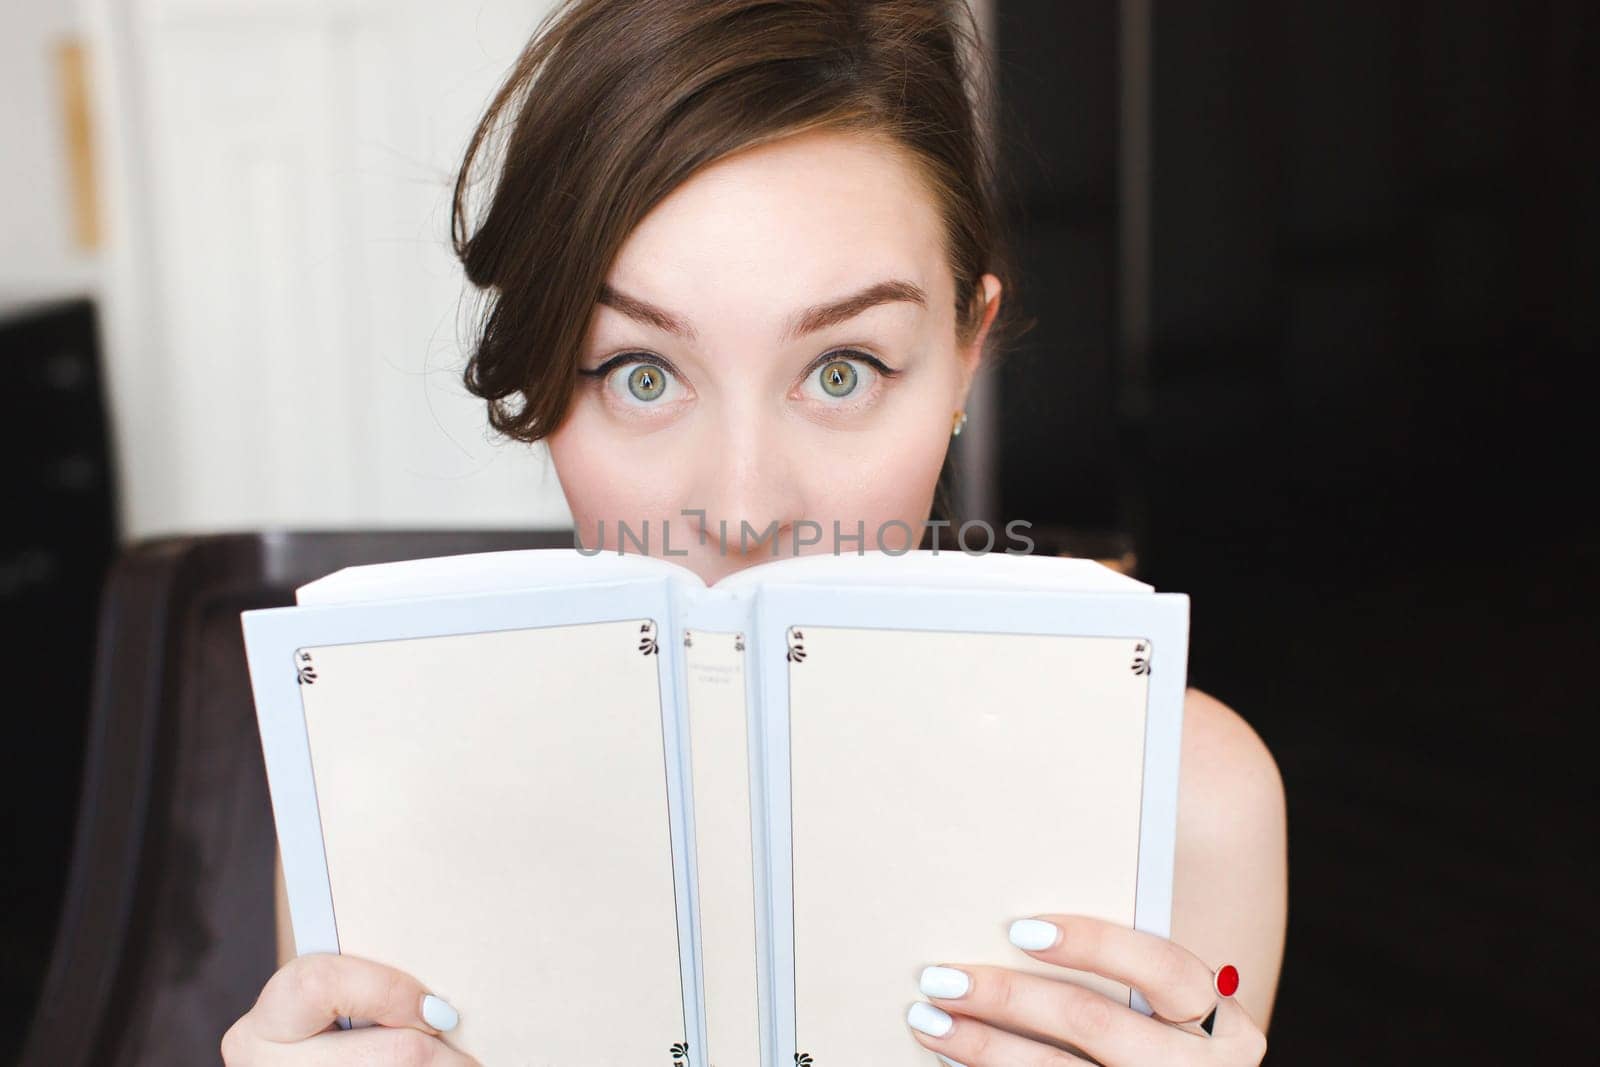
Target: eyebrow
<point x="812" y="319"/>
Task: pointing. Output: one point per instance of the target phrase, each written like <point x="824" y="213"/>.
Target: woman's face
<point x="775" y="352"/>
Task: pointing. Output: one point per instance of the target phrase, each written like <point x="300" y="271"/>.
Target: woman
<point x="740" y="265"/>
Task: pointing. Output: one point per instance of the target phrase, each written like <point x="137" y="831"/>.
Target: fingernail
<point x="1034" y="934"/>
<point x="438" y="1014"/>
<point x="948" y="1060"/>
<point x="946" y="983"/>
<point x="929" y="1020"/>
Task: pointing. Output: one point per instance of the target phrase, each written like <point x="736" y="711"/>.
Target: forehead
<point x="806" y="218"/>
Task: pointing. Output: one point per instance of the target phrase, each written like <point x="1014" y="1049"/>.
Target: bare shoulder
<point x="1223" y="757"/>
<point x="1230" y="897"/>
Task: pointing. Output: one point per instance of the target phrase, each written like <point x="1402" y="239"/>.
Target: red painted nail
<point x="1227" y="980"/>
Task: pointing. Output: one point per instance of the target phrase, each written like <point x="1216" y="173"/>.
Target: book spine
<point x="718" y="647"/>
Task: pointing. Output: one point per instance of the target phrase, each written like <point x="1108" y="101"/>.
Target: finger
<point x="311" y="992"/>
<point x="1175" y="981"/>
<point x="1053" y="1010"/>
<point x="376" y="1047"/>
<point x="971" y="1043"/>
<point x="1226" y="1022"/>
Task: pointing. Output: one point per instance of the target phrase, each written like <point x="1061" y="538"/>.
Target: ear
<point x="971" y="354"/>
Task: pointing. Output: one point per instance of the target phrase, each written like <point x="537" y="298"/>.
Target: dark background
<point x="56" y="541"/>
<point x="1357" y="437"/>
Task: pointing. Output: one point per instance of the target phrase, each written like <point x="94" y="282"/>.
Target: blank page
<point x="948" y="569"/>
<point x="944" y="784"/>
<point x="480" y="572"/>
<point x="494" y="815"/>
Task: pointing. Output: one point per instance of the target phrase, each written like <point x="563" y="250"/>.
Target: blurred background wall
<point x="39" y="254"/>
<point x="279" y="308"/>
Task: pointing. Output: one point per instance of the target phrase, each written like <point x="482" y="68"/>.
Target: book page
<point x="495" y="820"/>
<point x="720" y="746"/>
<point x="482" y="572"/>
<point x="942" y="785"/>
<point x="924" y="568"/>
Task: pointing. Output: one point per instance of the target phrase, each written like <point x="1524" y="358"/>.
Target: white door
<point x="284" y="320"/>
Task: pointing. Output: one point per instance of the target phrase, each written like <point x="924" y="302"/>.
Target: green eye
<point x="647" y="381"/>
<point x="838" y="378"/>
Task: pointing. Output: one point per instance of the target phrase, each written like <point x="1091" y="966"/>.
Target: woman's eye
<point x="639" y="383"/>
<point x="842" y="378"/>
<point x="646" y="382"/>
<point x="838" y="378"/>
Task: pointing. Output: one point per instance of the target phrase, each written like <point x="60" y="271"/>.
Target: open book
<point x="616" y="817"/>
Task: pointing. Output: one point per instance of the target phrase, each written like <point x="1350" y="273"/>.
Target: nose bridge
<point x="749" y="474"/>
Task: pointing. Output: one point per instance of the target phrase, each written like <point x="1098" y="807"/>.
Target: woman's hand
<point x="293" y="1022"/>
<point x="976" y="1014"/>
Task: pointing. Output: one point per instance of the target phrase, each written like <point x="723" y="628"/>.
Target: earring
<point x="957" y="422"/>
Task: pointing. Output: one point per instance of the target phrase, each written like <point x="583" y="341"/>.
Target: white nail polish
<point x="438" y="1014"/>
<point x="927" y="1019"/>
<point x="1034" y="934"/>
<point x="947" y="983"/>
<point x="949" y="1061"/>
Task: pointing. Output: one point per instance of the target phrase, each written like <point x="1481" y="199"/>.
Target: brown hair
<point x="614" y="103"/>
